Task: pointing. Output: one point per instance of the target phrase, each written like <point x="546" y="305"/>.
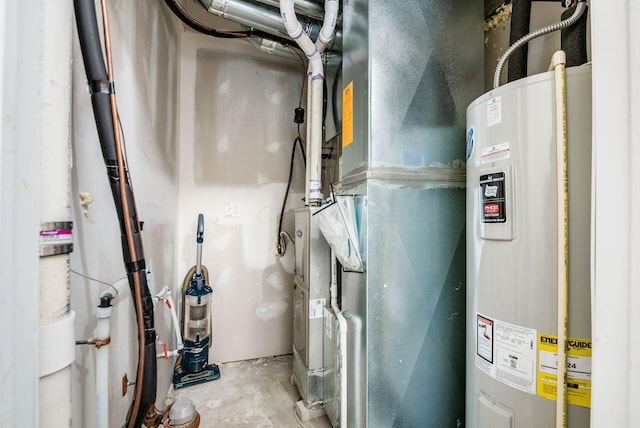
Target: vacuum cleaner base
<point x="210" y="372"/>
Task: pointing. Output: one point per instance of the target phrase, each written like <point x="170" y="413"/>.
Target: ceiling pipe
<point x="263" y="17"/>
<point x="311" y="8"/>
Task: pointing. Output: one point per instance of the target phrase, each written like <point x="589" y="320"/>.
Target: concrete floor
<point x="250" y="394"/>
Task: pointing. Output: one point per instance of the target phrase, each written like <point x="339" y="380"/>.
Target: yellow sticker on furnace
<point x="347" y="115"/>
<point x="578" y="369"/>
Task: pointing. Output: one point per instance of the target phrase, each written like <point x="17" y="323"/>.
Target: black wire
<point x="334" y="98"/>
<point x="304" y="155"/>
<point x="179" y="12"/>
<point x="286" y="193"/>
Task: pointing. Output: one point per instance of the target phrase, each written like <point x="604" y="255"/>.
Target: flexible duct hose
<point x="105" y="112"/>
<point x="581" y="7"/>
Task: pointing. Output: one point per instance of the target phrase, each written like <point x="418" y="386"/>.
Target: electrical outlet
<point x="231" y="209"/>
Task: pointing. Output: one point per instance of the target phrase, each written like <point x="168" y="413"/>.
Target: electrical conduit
<point x="106" y="116"/>
<point x="580" y="9"/>
<point x="558" y="65"/>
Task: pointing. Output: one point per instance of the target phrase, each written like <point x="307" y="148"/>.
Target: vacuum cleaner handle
<point x="200" y="231"/>
<point x="199" y="240"/>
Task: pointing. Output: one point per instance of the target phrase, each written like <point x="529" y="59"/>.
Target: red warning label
<point x="493" y="198"/>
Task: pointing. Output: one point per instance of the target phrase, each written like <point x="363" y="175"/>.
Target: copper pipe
<point x="126" y="219"/>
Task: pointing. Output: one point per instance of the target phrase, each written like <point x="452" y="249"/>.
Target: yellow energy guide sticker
<point x="578" y="369"/>
<point x="347" y="115"/>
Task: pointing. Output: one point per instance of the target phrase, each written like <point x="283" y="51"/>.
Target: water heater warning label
<point x="493" y="198"/>
<point x="507" y="352"/>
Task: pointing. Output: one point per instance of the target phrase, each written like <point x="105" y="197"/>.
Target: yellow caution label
<point x="347" y="115"/>
<point x="578" y="369"/>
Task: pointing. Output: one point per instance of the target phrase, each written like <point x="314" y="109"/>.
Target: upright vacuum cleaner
<point x="193" y="367"/>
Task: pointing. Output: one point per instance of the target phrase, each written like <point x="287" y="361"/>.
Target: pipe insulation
<point x="580" y="9"/>
<point x="103" y="101"/>
<point x="56" y="320"/>
<point x="573" y="39"/>
<point x="520" y="20"/>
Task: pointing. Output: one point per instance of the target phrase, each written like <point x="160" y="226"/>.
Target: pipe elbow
<point x="295" y="30"/>
<point x="331" y="8"/>
<point x="291" y="24"/>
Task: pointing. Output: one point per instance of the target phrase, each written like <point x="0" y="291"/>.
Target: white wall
<point x="236" y="135"/>
<point x="20" y="140"/>
<point x="616" y="232"/>
<point x="145" y="55"/>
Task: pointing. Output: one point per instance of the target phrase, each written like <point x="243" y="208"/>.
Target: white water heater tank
<point x="512" y="254"/>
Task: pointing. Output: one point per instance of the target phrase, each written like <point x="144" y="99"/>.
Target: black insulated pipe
<point x="101" y="90"/>
<point x="520" y="20"/>
<point x="573" y="39"/>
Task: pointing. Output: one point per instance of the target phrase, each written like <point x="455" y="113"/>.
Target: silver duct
<point x="265" y="18"/>
<point x="311" y="8"/>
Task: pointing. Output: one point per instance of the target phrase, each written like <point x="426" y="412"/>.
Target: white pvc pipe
<point x="103" y="315"/>
<point x="55" y="317"/>
<point x="342" y="323"/>
<point x="165" y="296"/>
<point x="328" y="24"/>
<point x="314" y="102"/>
<point x="558" y="64"/>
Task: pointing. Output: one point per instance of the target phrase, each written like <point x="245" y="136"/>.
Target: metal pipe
<point x="581" y="7"/>
<point x="310" y="8"/>
<point x="264" y="18"/>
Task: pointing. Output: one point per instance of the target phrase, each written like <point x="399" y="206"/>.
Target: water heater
<point x="512" y="255"/>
